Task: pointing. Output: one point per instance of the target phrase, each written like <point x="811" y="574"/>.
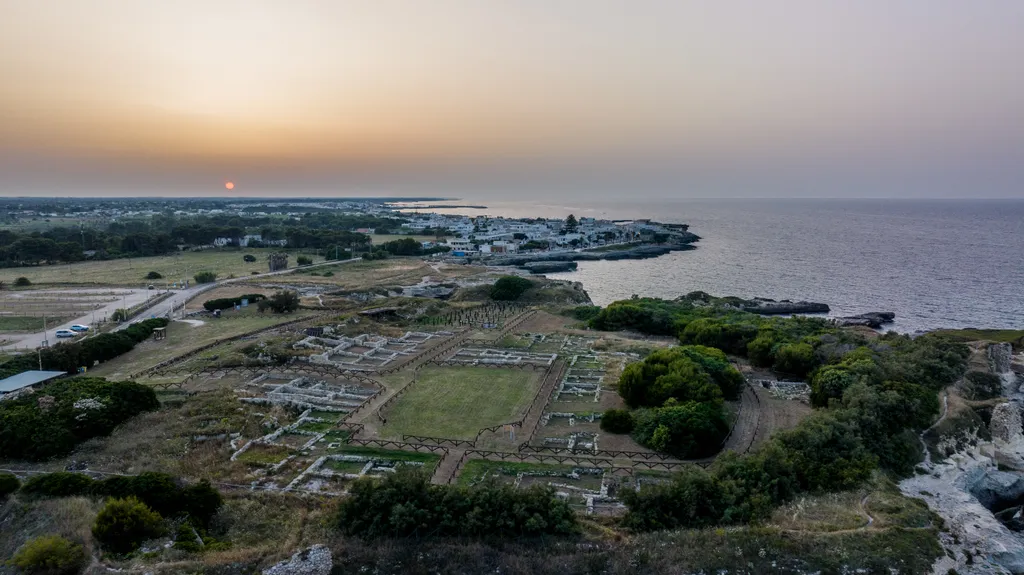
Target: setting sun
<point x="230" y="185"/>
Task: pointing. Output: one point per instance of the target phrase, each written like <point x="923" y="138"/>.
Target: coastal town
<point x="249" y="382"/>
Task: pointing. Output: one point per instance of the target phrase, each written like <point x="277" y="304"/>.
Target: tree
<point x="510" y="288"/>
<point x="120" y="314"/>
<point x="617" y="421"/>
<point x="154" y="276"/>
<point x="49" y="555"/>
<point x="404" y="247"/>
<point x="281" y="302"/>
<point x="124" y="524"/>
<point x="205" y="277"/>
<point x="795" y="358"/>
<point x="249" y="258"/>
<point x="571" y="224"/>
<point x="686" y="430"/>
<point x="201" y="502"/>
<point x="22" y="282"/>
<point x="303" y="261"/>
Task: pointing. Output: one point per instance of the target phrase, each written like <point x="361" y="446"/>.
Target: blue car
<point x="79" y="327"/>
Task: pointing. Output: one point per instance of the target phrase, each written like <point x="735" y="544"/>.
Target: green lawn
<point x="457" y="402"/>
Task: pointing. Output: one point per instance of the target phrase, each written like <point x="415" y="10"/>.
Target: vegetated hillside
<point x="874" y="397"/>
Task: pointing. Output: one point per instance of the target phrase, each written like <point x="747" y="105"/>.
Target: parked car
<point x="65" y="333"/>
<point x="79" y="327"/>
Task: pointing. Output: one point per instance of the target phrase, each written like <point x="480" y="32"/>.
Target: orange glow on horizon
<point x="230" y="185"/>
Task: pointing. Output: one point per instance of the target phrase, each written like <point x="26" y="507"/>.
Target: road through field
<point x="135" y="297"/>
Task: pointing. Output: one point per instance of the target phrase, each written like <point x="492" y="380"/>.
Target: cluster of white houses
<point x="486" y="235"/>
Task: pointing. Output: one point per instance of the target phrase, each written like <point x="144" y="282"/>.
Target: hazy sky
<point x="473" y="97"/>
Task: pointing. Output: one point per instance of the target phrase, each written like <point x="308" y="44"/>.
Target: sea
<point x="935" y="263"/>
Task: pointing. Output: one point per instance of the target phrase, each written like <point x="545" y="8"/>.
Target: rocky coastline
<point x="636" y="253"/>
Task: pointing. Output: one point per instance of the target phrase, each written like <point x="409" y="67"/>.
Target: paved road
<point x="136" y="297"/>
<point x="127" y="297"/>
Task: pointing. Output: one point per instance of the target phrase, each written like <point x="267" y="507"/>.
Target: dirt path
<point x="447" y="467"/>
<point x="532" y="419"/>
<point x="924" y="444"/>
<point x="744" y="432"/>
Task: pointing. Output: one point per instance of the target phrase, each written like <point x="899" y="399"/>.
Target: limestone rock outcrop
<point x="313" y="561"/>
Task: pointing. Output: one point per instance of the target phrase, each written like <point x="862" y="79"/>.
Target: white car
<point x="79" y="327"/>
<point x="64" y="333"/>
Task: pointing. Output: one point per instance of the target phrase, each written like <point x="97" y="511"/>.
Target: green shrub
<point x="686" y="373"/>
<point x="687" y="430"/>
<point x="22" y="282"/>
<point x="29" y="432"/>
<point x="205" y="277"/>
<point x="249" y="258"/>
<point x="405" y="504"/>
<point x="510" y="288"/>
<point x="154" y="276"/>
<point x="230" y="302"/>
<point x="304" y="260"/>
<point x="201" y="502"/>
<point x="124" y="524"/>
<point x="617" y="421"/>
<point x="981" y="385"/>
<point x="49" y="555"/>
<point x="584" y="312"/>
<point x="795" y="358"/>
<point x="281" y="302"/>
<point x="58" y="484"/>
<point x="185" y="539"/>
<point x="8" y="484"/>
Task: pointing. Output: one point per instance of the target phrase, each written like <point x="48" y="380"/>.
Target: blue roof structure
<point x="27" y="378"/>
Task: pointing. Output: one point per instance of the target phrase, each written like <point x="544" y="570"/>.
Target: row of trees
<point x="406" y="504"/>
<point x="788" y="345"/>
<point x="70" y="356"/>
<point x="162" y="234"/>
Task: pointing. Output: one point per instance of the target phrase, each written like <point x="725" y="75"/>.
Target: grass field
<point x="457" y="402"/>
<point x="14" y="323"/>
<point x="1013" y="336"/>
<point x="132" y="272"/>
<point x="183" y="337"/>
<point x="476" y="470"/>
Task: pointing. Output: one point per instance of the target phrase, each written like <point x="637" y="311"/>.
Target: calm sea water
<point x="935" y="263"/>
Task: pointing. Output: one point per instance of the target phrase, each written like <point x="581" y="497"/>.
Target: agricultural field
<point x="458" y="402"/>
<point x="132" y="271"/>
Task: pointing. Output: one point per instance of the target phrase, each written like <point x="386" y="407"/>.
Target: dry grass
<point x="367" y="275"/>
<point x="125" y="272"/>
<point x="70" y="517"/>
<point x="184" y="337"/>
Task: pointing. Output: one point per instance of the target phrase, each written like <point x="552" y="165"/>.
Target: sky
<point x="491" y="98"/>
